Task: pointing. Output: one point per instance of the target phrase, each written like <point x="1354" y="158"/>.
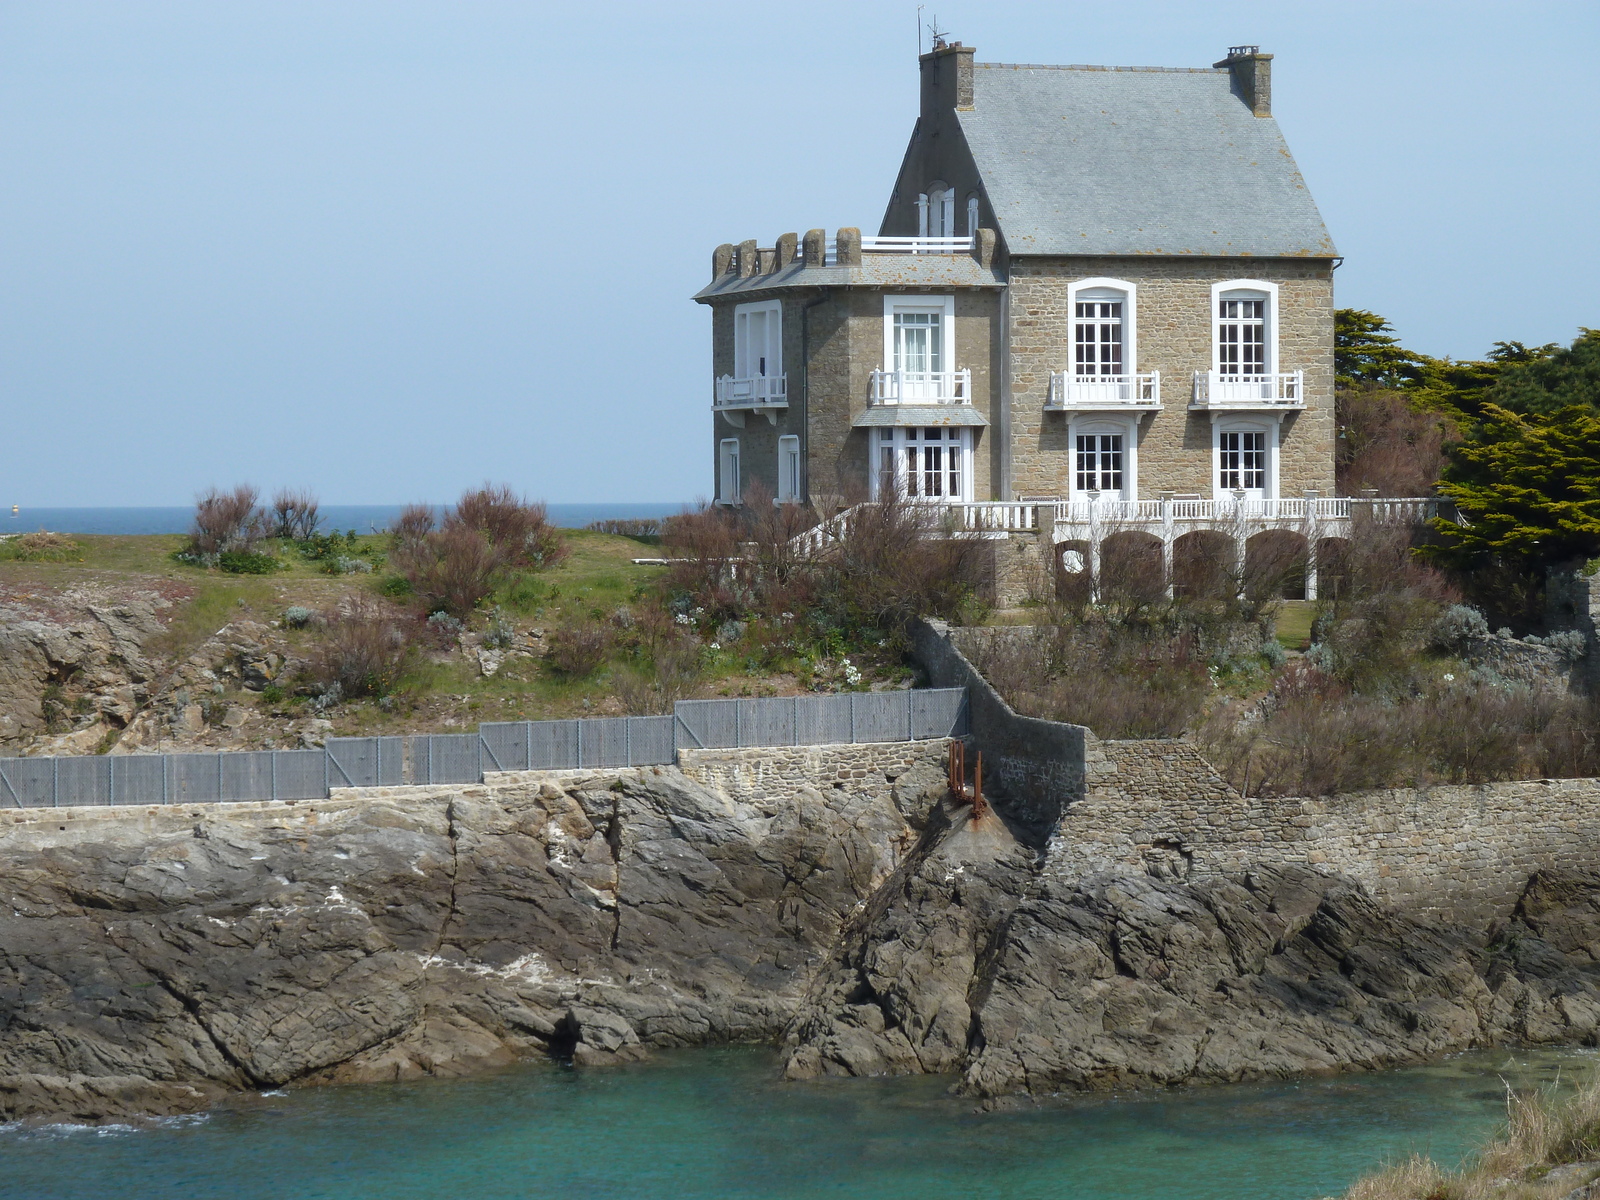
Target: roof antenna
<point x="938" y="37"/>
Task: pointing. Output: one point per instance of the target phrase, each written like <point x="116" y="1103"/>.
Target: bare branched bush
<point x="578" y="647"/>
<point x="519" y="531"/>
<point x="1387" y="444"/>
<point x="668" y="676"/>
<point x="1119" y="682"/>
<point x="295" y="514"/>
<point x="364" y="648"/>
<point x="451" y="570"/>
<point x="227" y="521"/>
<point x="454" y="564"/>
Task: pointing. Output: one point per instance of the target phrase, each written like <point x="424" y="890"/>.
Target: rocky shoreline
<point x="153" y="961"/>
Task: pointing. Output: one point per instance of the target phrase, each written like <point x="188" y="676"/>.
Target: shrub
<point x="670" y="675"/>
<point x="364" y="650"/>
<point x="345" y="565"/>
<point x="297" y="617"/>
<point x="226" y="521"/>
<point x="41" y="546"/>
<point x="295" y="514"/>
<point x="500" y="633"/>
<point x="578" y="647"/>
<point x="1457" y="628"/>
<point x="520" y="532"/>
<point x="457" y="563"/>
<point x="1387" y="443"/>
<point x="247" y="562"/>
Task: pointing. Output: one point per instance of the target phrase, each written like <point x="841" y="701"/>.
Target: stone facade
<point x="748" y="775"/>
<point x="1173" y="328"/>
<point x="1013" y="323"/>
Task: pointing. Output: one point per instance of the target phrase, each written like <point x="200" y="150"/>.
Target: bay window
<point x="925" y="463"/>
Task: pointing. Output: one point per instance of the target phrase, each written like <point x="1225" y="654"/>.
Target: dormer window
<point x="936" y="211"/>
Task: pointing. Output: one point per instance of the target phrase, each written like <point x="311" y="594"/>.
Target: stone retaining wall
<point x="1462" y="852"/>
<point x="747" y="774"/>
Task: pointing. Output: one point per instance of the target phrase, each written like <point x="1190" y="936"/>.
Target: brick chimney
<point x="1252" y="77"/>
<point x="946" y="78"/>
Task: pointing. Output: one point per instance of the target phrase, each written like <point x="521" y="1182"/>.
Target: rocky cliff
<point x="153" y="960"/>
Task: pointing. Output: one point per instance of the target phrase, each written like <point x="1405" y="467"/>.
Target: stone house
<point x="1106" y="290"/>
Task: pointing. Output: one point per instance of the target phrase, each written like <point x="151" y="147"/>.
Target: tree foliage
<point x="1365" y="351"/>
<point x="1529" y="486"/>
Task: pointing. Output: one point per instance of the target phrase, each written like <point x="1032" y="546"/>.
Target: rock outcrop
<point x="153" y="960"/>
<point x="983" y="957"/>
<point x="150" y="962"/>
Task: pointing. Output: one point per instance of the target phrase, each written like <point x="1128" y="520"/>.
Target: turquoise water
<point x="717" y="1125"/>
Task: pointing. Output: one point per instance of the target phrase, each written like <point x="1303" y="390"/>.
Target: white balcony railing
<point x="921" y="387"/>
<point x="1215" y="390"/>
<point x="761" y="391"/>
<point x="916" y="245"/>
<point x="1069" y="392"/>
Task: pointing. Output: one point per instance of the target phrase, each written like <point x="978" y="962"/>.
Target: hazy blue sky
<point x="388" y="250"/>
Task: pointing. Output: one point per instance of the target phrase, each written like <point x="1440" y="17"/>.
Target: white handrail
<point x="1068" y="390"/>
<point x="761" y="391"/>
<point x="1214" y="389"/>
<point x="921" y="387"/>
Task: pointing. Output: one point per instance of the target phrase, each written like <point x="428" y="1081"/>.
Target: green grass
<point x="1294" y="624"/>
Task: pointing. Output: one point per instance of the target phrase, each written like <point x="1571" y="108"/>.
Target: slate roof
<point x="1114" y="161"/>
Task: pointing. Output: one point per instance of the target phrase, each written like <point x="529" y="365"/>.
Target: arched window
<point x="972" y="215"/>
<point x="1244" y="324"/>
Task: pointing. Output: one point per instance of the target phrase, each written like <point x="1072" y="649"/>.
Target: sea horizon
<point x="363" y="518"/>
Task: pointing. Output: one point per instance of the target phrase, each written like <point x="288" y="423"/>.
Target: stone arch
<point x="1275" y="563"/>
<point x="1203" y="565"/>
<point x="1073" y="582"/>
<point x="1131" y="567"/>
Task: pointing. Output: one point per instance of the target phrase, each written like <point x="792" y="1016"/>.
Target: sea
<point x="719" y="1124"/>
<point x="363" y="518"/>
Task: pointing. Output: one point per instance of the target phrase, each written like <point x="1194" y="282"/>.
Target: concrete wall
<point x="1035" y="767"/>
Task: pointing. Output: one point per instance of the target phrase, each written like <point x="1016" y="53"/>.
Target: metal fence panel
<point x="650" y="741"/>
<point x="298" y="775"/>
<point x="445" y="758"/>
<point x="228" y="776"/>
<point x="27" y="782"/>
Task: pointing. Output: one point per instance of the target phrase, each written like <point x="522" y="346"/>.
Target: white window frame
<point x="791" y="485"/>
<point x="922" y="214"/>
<point x="1245" y="289"/>
<point x="728" y="482"/>
<point x="956" y="437"/>
<point x="1100" y="423"/>
<point x="972" y="215"/>
<point x="743" y="367"/>
<point x="945" y="306"/>
<point x="1265" y="423"/>
<point x="938" y="206"/>
<point x="1120" y="289"/>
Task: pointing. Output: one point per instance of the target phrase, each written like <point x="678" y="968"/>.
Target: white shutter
<point x="922" y="214"/>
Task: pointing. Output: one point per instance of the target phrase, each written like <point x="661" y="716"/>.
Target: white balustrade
<point x="1070" y="392"/>
<point x="761" y="391"/>
<point x="921" y="387"/>
<point x="1216" y="390"/>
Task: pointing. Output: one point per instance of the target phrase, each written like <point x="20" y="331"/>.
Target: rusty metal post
<point x="979" y="805"/>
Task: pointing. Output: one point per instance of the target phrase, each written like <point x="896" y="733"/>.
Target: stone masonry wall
<point x="747" y="774"/>
<point x="1461" y="852"/>
<point x="1174" y="335"/>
